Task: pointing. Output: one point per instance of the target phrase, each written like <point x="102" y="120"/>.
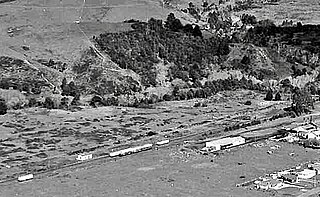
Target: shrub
<point x="269" y="96"/>
<point x="197" y="104"/>
<point x="190" y="94"/>
<point x="97" y="100"/>
<point x="3" y="107"/>
<point x="64" y="103"/>
<point x="32" y="102"/>
<point x="48" y="103"/>
<point x="76" y="99"/>
<point x="277" y="97"/>
<point x="167" y="97"/>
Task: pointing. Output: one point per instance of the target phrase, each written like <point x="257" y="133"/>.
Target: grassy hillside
<point x="136" y="62"/>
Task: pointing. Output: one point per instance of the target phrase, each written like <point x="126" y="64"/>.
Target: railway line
<point x="173" y="142"/>
<point x="213" y="133"/>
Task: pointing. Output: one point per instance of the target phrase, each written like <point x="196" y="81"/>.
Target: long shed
<point x="225" y="143"/>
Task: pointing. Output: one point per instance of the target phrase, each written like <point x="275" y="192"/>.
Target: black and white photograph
<point x="159" y="98"/>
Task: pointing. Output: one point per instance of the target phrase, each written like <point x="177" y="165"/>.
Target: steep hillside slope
<point x="193" y="52"/>
<point x="260" y="62"/>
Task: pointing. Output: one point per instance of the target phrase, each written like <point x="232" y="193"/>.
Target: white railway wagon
<point x="163" y="142"/>
<point x="128" y="151"/>
<point x="25" y="177"/>
<point x="84" y="157"/>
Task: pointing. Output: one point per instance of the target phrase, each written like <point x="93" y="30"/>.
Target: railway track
<point x="106" y="157"/>
<point x="175" y="141"/>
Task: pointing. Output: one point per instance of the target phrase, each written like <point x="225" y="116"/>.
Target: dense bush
<point x="16" y="74"/>
<point x="69" y="89"/>
<point x="269" y="96"/>
<point x="140" y="49"/>
<point x="248" y="19"/>
<point x="302" y="101"/>
<point x="277" y="97"/>
<point x="32" y="102"/>
<point x="48" y="103"/>
<point x="303" y="40"/>
<point x="64" y="103"/>
<point x="167" y="97"/>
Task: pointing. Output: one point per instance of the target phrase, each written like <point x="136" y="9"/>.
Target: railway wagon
<point x="128" y="151"/>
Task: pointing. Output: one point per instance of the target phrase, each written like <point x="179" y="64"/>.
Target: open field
<point x="48" y="28"/>
<point x="305" y="11"/>
<point x="34" y="140"/>
<point x="174" y="171"/>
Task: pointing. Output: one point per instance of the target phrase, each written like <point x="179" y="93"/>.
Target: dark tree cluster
<point x="248" y="19"/>
<point x="197" y="91"/>
<point x="48" y="103"/>
<point x="212" y="87"/>
<point x="302" y="101"/>
<point x="270" y="97"/>
<point x="140" y="49"/>
<point x="305" y="36"/>
<point x="69" y="89"/>
<point x="97" y="101"/>
<point x="174" y="24"/>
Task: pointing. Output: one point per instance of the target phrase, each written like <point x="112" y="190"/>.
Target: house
<point x="269" y="184"/>
<point x="225" y="143"/>
<point x="264" y="185"/>
<point x="306" y="174"/>
<point x="303" y="131"/>
<point x="83" y="157"/>
<point x="314" y="135"/>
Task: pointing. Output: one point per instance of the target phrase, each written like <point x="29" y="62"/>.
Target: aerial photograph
<point x="159" y="98"/>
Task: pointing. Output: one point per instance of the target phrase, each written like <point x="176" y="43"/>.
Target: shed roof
<point x="224" y="141"/>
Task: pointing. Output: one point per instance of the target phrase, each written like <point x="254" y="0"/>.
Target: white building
<point x="307" y="174"/>
<point x="306" y="131"/>
<point x="314" y="135"/>
<point x="224" y="143"/>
